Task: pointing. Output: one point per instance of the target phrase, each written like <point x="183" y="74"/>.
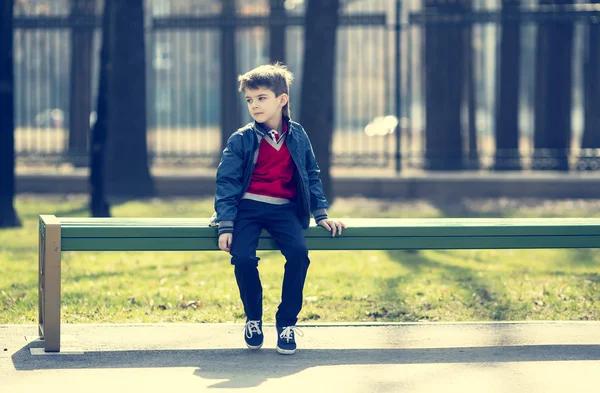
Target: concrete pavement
<point x="510" y="357"/>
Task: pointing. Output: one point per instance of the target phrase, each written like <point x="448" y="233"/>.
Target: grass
<point x="470" y="285"/>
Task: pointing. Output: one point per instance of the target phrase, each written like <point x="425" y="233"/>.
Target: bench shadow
<point x="469" y="280"/>
<point x="464" y="278"/>
<point x="585" y="257"/>
<point x="241" y="368"/>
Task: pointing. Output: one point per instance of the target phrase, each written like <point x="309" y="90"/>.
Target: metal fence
<point x="183" y="74"/>
<point x="183" y="71"/>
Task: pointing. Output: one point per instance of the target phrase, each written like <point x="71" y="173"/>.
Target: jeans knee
<point x="244" y="261"/>
<point x="297" y="254"/>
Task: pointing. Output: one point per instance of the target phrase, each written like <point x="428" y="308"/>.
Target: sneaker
<point x="253" y="334"/>
<point x="286" y="341"/>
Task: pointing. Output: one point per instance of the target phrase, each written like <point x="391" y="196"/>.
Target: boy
<point x="268" y="178"/>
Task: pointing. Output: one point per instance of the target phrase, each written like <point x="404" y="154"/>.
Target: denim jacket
<point x="237" y="164"/>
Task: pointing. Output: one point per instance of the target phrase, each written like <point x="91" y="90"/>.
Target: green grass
<point x="478" y="285"/>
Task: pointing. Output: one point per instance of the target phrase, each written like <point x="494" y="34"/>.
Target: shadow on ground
<point x="241" y="368"/>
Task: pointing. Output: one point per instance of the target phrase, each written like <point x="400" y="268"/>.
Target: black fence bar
<point x="203" y="22"/>
<point x="398" y="78"/>
<point x="483" y="17"/>
<point x="190" y="22"/>
<point x="56" y="22"/>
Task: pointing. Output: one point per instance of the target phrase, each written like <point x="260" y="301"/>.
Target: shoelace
<point x="288" y="333"/>
<point x="251" y="327"/>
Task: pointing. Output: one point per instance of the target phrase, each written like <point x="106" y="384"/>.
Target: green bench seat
<point x="179" y="234"/>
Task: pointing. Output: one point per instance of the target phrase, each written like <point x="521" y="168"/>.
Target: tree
<point x="277" y="31"/>
<point x="230" y="104"/>
<point x="591" y="99"/>
<point x="507" y="109"/>
<point x="126" y="164"/>
<point x="80" y="103"/>
<point x="553" y="92"/>
<point x="318" y="69"/>
<point x="8" y="214"/>
<point x="444" y="76"/>
<point x="99" y="206"/>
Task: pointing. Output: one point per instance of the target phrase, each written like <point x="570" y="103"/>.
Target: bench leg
<point x="40" y="283"/>
<point x="49" y="300"/>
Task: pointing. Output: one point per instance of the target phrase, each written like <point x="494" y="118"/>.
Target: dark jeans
<point x="283" y="224"/>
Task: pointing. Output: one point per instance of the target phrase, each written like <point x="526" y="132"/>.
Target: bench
<point x="149" y="234"/>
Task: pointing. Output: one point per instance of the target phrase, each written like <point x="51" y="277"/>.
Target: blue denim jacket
<point x="237" y="163"/>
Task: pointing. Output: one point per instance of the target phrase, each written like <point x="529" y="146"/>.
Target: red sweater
<point x="273" y="172"/>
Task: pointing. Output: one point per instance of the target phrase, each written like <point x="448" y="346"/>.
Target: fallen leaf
<point x="193" y="304"/>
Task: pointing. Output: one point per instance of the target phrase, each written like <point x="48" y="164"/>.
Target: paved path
<point x="455" y="357"/>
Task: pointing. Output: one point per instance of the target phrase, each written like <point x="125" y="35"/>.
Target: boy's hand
<point x="225" y="241"/>
<point x="332" y="226"/>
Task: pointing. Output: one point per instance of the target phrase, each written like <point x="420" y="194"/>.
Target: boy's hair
<point x="275" y="77"/>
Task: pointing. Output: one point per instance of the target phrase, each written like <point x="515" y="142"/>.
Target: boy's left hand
<point x="332" y="226"/>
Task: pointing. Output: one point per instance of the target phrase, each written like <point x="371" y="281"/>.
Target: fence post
<point x="398" y="71"/>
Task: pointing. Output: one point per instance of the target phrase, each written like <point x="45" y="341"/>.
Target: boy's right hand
<point x="225" y="241"/>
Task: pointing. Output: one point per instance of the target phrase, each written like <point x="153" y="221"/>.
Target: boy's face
<point x="263" y="106"/>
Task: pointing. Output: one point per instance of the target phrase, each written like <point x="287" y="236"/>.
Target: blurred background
<point x="481" y="114"/>
<point x="389" y="88"/>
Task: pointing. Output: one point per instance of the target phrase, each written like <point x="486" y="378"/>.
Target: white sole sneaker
<point x="285" y="351"/>
<point x="254" y="347"/>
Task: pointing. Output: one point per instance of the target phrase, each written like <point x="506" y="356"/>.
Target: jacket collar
<point x="261" y="129"/>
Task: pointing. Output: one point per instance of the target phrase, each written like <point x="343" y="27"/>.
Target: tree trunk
<point x="8" y="215"/>
<point x="318" y="101"/>
<point x="553" y="93"/>
<point x="99" y="207"/>
<point x="507" y="111"/>
<point x="444" y="62"/>
<point x="277" y="31"/>
<point x="127" y="170"/>
<point x="80" y="104"/>
<point x="590" y="141"/>
<point x="230" y="106"/>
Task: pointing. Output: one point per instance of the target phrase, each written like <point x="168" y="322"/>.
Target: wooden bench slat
<point x="355" y="222"/>
<point x="317" y="232"/>
<point x="340" y="243"/>
<point x="198" y="228"/>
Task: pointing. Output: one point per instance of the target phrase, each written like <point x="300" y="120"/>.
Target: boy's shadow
<point x="244" y="369"/>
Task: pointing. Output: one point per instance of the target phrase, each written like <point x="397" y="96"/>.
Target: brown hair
<point x="275" y="77"/>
